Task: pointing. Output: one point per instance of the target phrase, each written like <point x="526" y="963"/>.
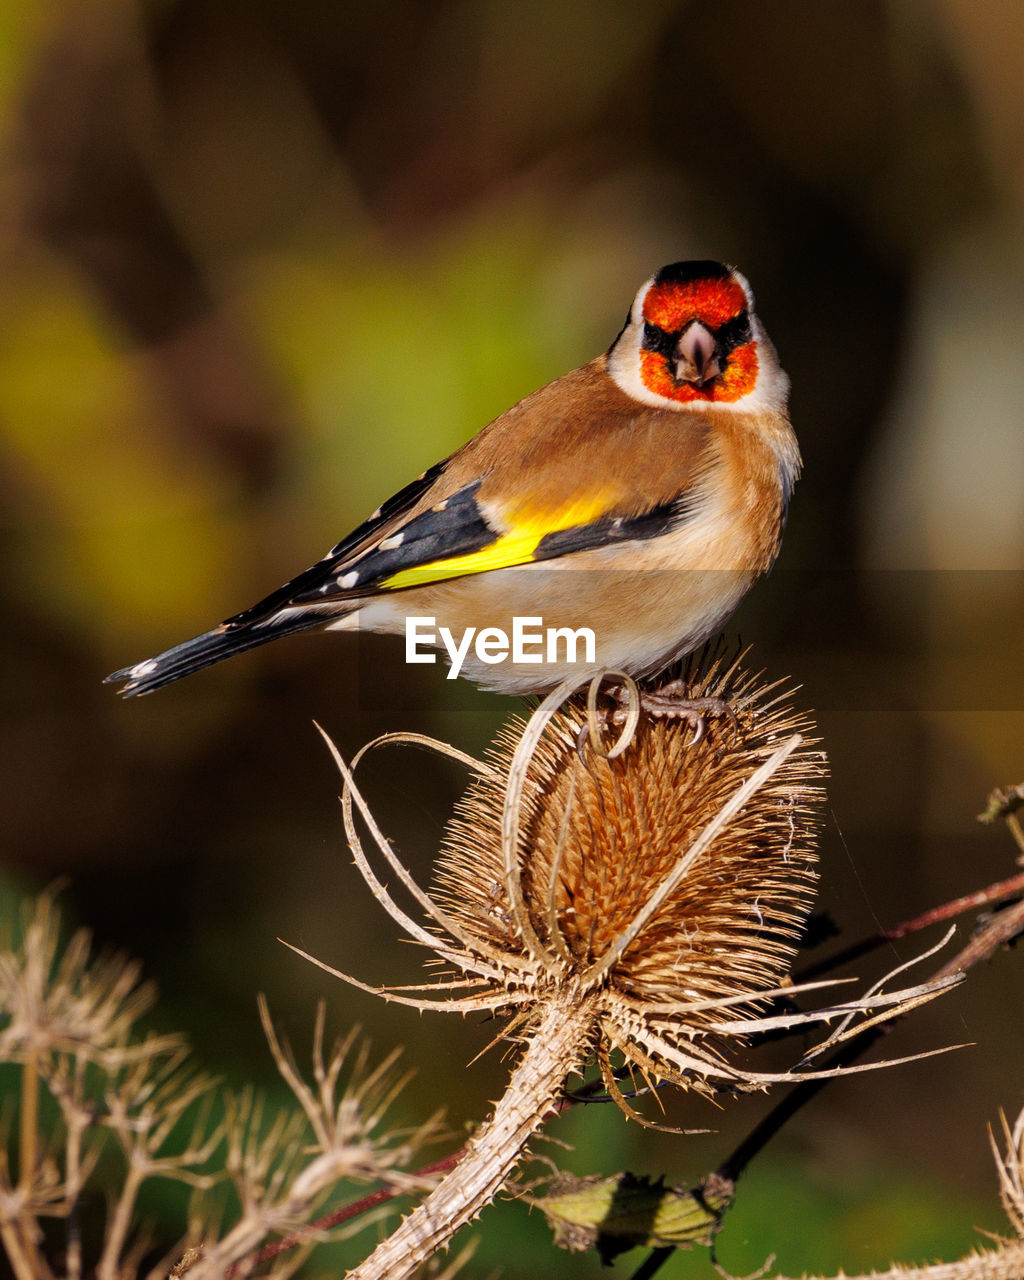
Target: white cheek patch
<point x="624" y="367"/>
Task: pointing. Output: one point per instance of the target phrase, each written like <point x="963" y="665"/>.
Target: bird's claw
<point x="670" y="702"/>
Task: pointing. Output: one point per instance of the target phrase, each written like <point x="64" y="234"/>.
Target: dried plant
<point x="635" y="907"/>
<point x="1010" y="1163"/>
<point x="69" y="1021"/>
<point x="631" y="910"/>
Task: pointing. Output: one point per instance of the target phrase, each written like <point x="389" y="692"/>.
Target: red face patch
<point x="672" y="305"/>
<point x="737" y="379"/>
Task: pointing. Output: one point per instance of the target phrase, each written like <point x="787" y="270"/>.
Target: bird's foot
<point x="670" y="702"/>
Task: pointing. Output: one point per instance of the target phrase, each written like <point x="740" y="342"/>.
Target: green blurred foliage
<point x="260" y="263"/>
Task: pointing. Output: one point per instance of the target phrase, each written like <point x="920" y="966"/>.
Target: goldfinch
<point x="613" y="519"/>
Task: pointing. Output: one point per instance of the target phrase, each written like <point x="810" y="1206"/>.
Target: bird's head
<point x="692" y="338"/>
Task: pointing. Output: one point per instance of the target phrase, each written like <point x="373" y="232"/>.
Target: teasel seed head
<point x="638" y="906"/>
<point x="599" y="837"/>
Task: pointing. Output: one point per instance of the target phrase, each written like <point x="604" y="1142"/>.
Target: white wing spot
<point x="376" y="515"/>
<point x="389" y="544"/>
<point x="348" y="580"/>
<point x="441" y="505"/>
<point x="144" y="669"/>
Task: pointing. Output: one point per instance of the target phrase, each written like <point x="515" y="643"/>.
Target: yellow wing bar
<point x="516" y="547"/>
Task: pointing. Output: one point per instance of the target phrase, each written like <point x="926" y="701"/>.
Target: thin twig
<point x="994" y="893"/>
<point x="344" y="1213"/>
<point x="355" y="1208"/>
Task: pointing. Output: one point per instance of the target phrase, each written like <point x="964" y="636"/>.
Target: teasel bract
<point x="635" y="906"/>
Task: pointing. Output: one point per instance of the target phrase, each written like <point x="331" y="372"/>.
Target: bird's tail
<point x="203" y="651"/>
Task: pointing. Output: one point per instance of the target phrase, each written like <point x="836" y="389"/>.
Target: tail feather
<point x="203" y="651"/>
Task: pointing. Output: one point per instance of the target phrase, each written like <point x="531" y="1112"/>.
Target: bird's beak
<point x="696" y="355"/>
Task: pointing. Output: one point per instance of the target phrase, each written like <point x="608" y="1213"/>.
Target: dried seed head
<point x="598" y="838"/>
<point x="644" y="906"/>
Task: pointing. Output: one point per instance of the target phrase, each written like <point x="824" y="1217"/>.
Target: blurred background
<point x="262" y="262"/>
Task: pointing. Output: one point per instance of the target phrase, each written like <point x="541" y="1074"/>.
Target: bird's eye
<point x="656" y="339"/>
<point x="734" y="333"/>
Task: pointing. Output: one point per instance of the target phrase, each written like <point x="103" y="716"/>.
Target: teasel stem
<point x="553" y="1049"/>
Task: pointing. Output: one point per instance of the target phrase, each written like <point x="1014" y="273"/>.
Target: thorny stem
<point x="343" y="1213"/>
<point x="355" y="1208"/>
<point x="494" y="1150"/>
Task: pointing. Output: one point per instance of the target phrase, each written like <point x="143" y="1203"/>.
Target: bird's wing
<point x="451" y="539"/>
<point x="458" y="537"/>
<point x="576" y="466"/>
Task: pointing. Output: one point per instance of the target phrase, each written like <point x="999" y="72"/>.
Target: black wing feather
<point x="316" y="595"/>
<point x="203" y="651"/>
<point x="454" y="528"/>
<point x="602" y="533"/>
